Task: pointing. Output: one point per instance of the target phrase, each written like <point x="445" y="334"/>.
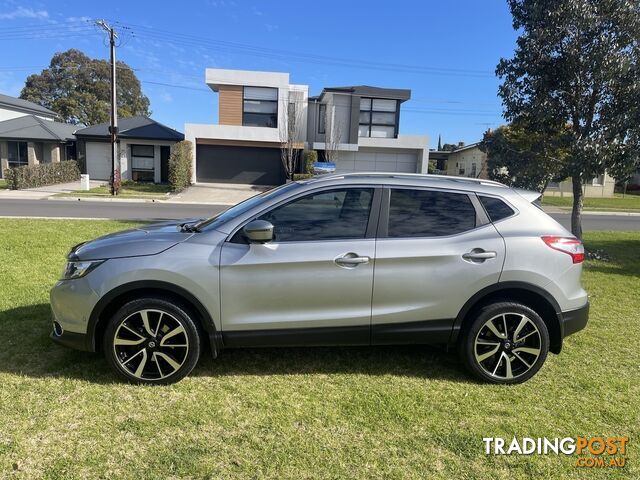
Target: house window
<point x="17" y="154"/>
<point x="473" y="170"/>
<point x="260" y="107"/>
<point x="142" y="163"/>
<point x="322" y="118"/>
<point x="378" y="118"/>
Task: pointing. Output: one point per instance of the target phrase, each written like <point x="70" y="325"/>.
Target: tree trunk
<point x="576" y="213"/>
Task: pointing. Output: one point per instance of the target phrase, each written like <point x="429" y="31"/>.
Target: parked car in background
<point x="350" y="259"/>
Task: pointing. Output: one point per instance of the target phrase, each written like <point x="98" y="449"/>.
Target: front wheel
<point x="152" y="341"/>
<point x="506" y="343"/>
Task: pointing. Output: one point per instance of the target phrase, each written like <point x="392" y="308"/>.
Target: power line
<point x="175" y="38"/>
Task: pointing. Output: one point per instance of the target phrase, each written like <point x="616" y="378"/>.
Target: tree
<point x="522" y="158"/>
<point x="291" y="133"/>
<point x="577" y="63"/>
<point x="78" y="89"/>
<point x="439" y="143"/>
<point x="333" y="134"/>
<point x="450" y="147"/>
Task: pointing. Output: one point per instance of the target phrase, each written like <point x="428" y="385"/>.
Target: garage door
<point x="229" y="164"/>
<point x="370" y="160"/>
<point x="98" y="160"/>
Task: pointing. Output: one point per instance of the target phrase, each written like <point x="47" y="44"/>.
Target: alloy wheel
<point x="507" y="346"/>
<point x="150" y="344"/>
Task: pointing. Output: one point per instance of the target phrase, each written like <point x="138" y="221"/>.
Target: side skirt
<point x="423" y="332"/>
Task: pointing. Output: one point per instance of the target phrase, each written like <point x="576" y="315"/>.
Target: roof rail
<point x="449" y="178"/>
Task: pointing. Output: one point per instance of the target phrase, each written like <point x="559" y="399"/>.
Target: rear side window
<point x="426" y="213"/>
<point x="496" y="208"/>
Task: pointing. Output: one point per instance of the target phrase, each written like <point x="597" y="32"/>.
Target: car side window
<point x="326" y="215"/>
<point x="496" y="208"/>
<point x="429" y="213"/>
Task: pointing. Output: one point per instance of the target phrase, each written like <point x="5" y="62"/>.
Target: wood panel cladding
<point x="230" y="104"/>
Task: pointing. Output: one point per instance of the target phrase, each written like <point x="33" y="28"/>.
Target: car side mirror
<point x="258" y="231"/>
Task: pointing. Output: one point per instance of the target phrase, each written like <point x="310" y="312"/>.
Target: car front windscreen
<point x="242" y="207"/>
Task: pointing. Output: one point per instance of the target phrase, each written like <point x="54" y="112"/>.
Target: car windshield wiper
<point x="189" y="227"/>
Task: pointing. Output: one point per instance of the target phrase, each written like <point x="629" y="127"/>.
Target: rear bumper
<point x="574" y="320"/>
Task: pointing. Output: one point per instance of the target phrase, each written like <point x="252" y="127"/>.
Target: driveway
<point x="217" y="193"/>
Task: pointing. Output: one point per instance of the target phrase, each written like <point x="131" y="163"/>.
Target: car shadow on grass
<point x="27" y="350"/>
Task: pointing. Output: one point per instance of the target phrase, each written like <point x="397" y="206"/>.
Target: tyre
<point x="505" y="343"/>
<point x="152" y="341"/>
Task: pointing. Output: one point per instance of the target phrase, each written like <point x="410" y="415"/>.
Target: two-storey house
<point x="357" y="127"/>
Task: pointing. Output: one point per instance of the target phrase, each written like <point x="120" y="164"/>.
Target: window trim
<point x="372" y="224"/>
<point x="276" y="101"/>
<point x="482" y="220"/>
<point x="371" y="123"/>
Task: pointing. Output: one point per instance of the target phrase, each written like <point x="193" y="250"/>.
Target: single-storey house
<point x="29" y="135"/>
<point x="144" y="147"/>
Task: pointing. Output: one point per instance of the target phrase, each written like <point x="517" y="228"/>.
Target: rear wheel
<point x="152" y="341"/>
<point x="506" y="343"/>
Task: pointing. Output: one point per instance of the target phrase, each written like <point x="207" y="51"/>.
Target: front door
<point x="435" y="251"/>
<point x="165" y="152"/>
<point x="313" y="283"/>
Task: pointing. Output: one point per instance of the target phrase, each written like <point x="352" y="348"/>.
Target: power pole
<point x="113" y="129"/>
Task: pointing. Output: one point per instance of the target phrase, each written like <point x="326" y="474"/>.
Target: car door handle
<point x="477" y="254"/>
<point x="351" y="260"/>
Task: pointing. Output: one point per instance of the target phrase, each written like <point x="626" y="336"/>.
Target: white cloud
<point x="270" y="27"/>
<point x="23" y="12"/>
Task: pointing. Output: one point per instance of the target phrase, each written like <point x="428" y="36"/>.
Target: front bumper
<point x="71" y="304"/>
<point x="77" y="341"/>
<point x="574" y="320"/>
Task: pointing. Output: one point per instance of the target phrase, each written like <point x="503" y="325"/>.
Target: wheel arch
<point x="536" y="298"/>
<point x="114" y="299"/>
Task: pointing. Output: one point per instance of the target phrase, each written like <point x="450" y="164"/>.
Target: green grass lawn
<point x="128" y="190"/>
<point x="386" y="412"/>
<point x="3" y="184"/>
<point x="629" y="202"/>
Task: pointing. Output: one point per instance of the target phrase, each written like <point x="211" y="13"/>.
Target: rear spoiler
<point x="529" y="195"/>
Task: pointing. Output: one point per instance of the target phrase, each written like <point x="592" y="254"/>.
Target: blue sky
<point x="445" y="52"/>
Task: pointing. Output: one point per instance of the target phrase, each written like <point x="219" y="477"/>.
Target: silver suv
<point x="356" y="259"/>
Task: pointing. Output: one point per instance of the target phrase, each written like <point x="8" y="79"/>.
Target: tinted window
<point x="496" y="208"/>
<point x="425" y="213"/>
<point x="326" y="215"/>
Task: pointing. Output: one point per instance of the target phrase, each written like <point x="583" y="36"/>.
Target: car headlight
<point x="79" y="269"/>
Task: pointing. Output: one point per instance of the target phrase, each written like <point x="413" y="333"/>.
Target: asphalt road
<point x="158" y="211"/>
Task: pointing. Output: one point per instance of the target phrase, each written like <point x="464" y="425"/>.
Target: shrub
<point x="180" y="166"/>
<point x="310" y="157"/>
<point x="302" y="176"/>
<point x="31" y="176"/>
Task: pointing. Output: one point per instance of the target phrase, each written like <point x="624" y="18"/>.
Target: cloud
<point x="257" y="12"/>
<point x="270" y="27"/>
<point x="23" y="12"/>
<point x="166" y="97"/>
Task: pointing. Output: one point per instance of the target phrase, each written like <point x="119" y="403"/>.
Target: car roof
<point x="413" y="179"/>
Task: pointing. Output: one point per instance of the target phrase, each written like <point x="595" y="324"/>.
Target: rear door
<point x="435" y="249"/>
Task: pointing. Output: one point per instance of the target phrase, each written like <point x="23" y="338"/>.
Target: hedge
<point x="31" y="176"/>
<point x="310" y="157"/>
<point x="180" y="166"/>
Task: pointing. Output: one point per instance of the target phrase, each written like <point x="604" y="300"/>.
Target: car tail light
<point x="569" y="245"/>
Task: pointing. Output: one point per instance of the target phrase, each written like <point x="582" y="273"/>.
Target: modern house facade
<point x="29" y="135"/>
<point x="356" y="126"/>
<point x="144" y="147"/>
